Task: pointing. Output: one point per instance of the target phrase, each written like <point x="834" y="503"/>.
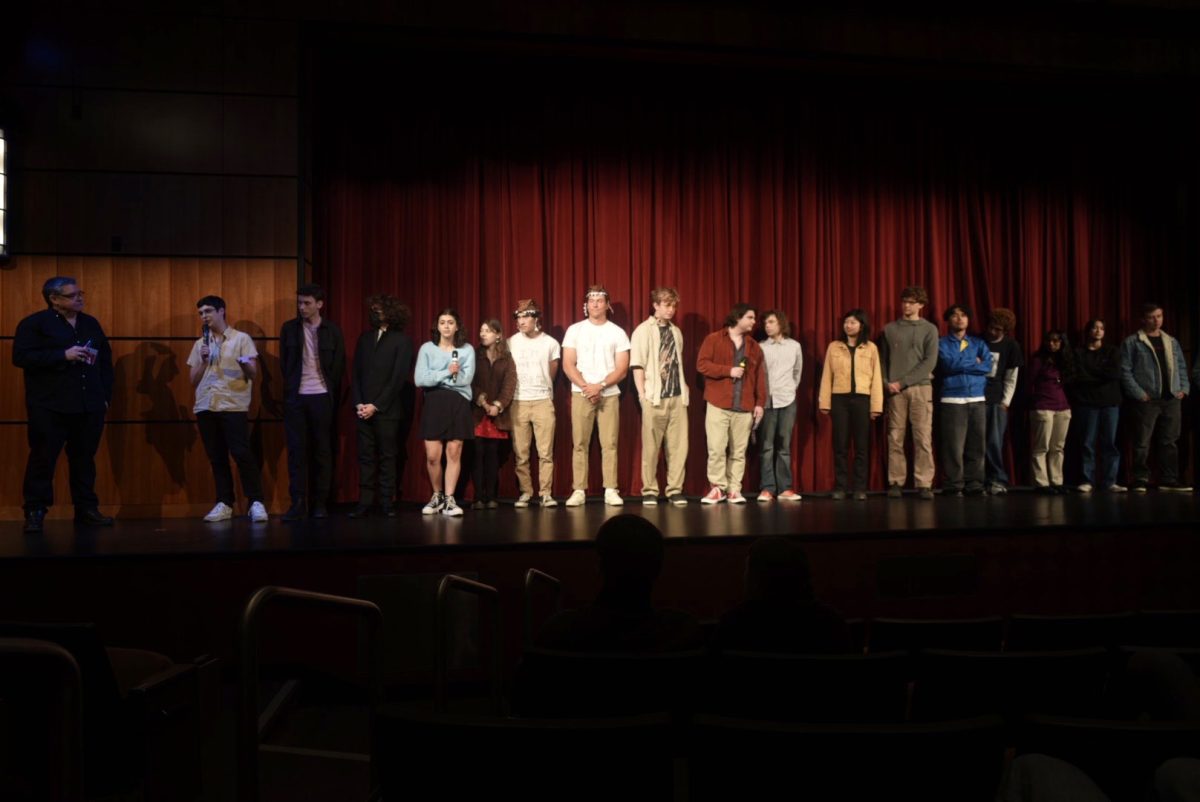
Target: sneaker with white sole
<point x="679" y="500"/>
<point x="612" y="497"/>
<point x="714" y="496"/>
<point x="735" y="497"/>
<point x="790" y="495"/>
<point x="1116" y="489"/>
<point x="523" y="500"/>
<point x="649" y="500"/>
<point x="450" y="507"/>
<point x="436" y="502"/>
<point x="577" y="499"/>
<point x="766" y="495"/>
<point x="1086" y="487"/>
<point x="548" y="501"/>
<point x="221" y="512"/>
<point x="258" y="513"/>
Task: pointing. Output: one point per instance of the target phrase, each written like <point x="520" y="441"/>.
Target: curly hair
<point x="394" y="313"/>
<point x="738" y="312"/>
<point x="785" y="326"/>
<point x="915" y="293"/>
<point x="1004" y="318"/>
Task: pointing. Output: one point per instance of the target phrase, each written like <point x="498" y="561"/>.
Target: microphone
<point x="205" y="330"/>
<point x="454" y="361"/>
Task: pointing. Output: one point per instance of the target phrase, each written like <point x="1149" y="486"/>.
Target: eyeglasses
<point x="71" y="296"/>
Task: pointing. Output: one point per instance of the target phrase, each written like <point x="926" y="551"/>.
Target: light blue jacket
<point x="433" y="369"/>
<point x="1140" y="375"/>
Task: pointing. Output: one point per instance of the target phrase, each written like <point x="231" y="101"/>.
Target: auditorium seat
<point x="744" y="759"/>
<point x="813" y="688"/>
<point x="1166" y="628"/>
<point x="1033" y="633"/>
<point x="912" y="634"/>
<point x="955" y="684"/>
<point x="426" y="755"/>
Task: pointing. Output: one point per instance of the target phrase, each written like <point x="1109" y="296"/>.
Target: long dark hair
<point x="502" y="343"/>
<point x="1063" y="358"/>
<point x="460" y="337"/>
<point x="864" y="336"/>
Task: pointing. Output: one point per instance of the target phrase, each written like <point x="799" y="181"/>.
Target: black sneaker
<point x="295" y="512"/>
<point x="925" y="494"/>
<point x="1139" y="487"/>
<point x="90" y="516"/>
<point x="320" y="511"/>
<point x="361" y="511"/>
<point x="34" y="521"/>
<point x="895" y="491"/>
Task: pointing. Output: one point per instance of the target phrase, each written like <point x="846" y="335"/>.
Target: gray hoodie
<point x="908" y="351"/>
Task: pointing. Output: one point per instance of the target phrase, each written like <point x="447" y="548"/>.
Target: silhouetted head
<point x="777" y="571"/>
<point x="631" y="557"/>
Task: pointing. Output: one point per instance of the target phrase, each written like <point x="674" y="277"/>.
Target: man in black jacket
<point x="313" y="356"/>
<point x="68" y="387"/>
<point x="383" y="361"/>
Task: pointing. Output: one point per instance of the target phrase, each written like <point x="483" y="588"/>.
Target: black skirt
<point x="446" y="415"/>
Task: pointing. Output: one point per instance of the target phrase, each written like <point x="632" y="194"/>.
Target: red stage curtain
<point x="480" y="183"/>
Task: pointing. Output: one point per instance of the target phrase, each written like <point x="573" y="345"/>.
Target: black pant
<point x="48" y="432"/>
<point x="490" y="453"/>
<point x="226" y="434"/>
<point x="377" y="442"/>
<point x="308" y="421"/>
<point x="1156" y="422"/>
<point x="851" y="413"/>
<point x="962" y="442"/>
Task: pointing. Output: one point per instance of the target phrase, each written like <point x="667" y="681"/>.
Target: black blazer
<point x="381" y="369"/>
<point x="51" y="382"/>
<point x="331" y="352"/>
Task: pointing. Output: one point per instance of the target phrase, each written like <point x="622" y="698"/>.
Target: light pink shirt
<point x="311" y="380"/>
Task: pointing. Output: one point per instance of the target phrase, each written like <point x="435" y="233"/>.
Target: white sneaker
<point x="577" y="499"/>
<point x="1086" y="487"/>
<point x="450" y="507"/>
<point x="548" y="501"/>
<point x="258" y="513"/>
<point x="612" y="497"/>
<point x="523" y="501"/>
<point x="1118" y="489"/>
<point x="436" y="502"/>
<point x="221" y="512"/>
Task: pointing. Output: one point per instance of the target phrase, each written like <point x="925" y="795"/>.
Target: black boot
<point x="90" y="516"/>
<point x="296" y="511"/>
<point x="34" y="521"/>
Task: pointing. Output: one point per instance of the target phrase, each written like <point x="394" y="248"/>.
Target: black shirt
<point x="52" y="382"/>
<point x="1006" y="355"/>
<point x="1097" y="379"/>
<point x="1160" y="353"/>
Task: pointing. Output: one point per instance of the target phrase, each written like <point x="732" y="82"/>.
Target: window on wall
<point x="3" y="194"/>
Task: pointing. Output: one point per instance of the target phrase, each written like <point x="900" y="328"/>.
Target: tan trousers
<point x="667" y="421"/>
<point x="530" y="420"/>
<point x="584" y="417"/>
<point x="911" y="406"/>
<point x="728" y="435"/>
<point x="1047" y="438"/>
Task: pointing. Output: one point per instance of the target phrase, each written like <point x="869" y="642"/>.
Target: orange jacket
<point x="714" y="362"/>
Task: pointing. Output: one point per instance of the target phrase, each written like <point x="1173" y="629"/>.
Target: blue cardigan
<point x="433" y="369"/>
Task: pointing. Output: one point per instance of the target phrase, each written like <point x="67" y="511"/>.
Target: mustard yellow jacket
<point x="835" y="375"/>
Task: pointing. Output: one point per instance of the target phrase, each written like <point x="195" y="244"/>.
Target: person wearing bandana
<point x="537" y="356"/>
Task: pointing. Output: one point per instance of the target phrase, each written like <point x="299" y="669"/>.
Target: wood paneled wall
<point x="151" y="462"/>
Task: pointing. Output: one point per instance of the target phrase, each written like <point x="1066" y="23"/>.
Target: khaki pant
<point x="533" y="419"/>
<point x="728" y="435"/>
<point x="584" y="417"/>
<point x="911" y="406"/>
<point x="666" y="421"/>
<point x="1047" y="438"/>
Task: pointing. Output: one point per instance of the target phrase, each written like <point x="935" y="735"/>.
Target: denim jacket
<point x="1139" y="367"/>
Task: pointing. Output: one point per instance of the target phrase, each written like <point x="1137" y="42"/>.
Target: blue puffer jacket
<point x="963" y="371"/>
<point x="1139" y="367"/>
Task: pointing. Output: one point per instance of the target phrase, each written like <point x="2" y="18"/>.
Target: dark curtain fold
<point x="475" y="182"/>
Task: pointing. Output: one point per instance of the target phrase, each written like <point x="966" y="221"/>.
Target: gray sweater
<point x="908" y="351"/>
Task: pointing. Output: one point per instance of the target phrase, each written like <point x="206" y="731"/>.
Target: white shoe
<point x="612" y="497"/>
<point x="258" y="513"/>
<point x="548" y="501"/>
<point x="221" y="512"/>
<point x="523" y="501"/>
<point x="1117" y="489"/>
<point x="436" y="502"/>
<point x="450" y="507"/>
<point x="1086" y="487"/>
<point x="577" y="499"/>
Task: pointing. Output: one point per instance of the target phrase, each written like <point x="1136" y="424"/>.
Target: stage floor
<point x="815" y="518"/>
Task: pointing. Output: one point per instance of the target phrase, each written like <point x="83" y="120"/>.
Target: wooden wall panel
<point x="151" y="461"/>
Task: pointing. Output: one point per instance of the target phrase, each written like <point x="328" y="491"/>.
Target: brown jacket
<point x="495" y="381"/>
<point x="714" y="362"/>
<point x="835" y="376"/>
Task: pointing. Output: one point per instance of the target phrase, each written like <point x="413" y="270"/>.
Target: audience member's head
<point x="777" y="571"/>
<point x="631" y="557"/>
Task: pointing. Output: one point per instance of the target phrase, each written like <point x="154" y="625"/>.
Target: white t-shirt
<point x="596" y="349"/>
<point x="532" y="356"/>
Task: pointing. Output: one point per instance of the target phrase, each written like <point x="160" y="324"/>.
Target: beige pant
<point x="728" y="435"/>
<point x="911" y="406"/>
<point x="666" y="421"/>
<point x="533" y="419"/>
<point x="584" y="417"/>
<point x="1047" y="437"/>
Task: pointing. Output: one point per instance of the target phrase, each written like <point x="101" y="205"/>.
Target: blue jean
<point x="776" y="457"/>
<point x="1102" y="421"/>
<point x="997" y="425"/>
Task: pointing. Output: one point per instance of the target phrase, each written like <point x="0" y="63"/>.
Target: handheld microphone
<point x="454" y="361"/>
<point x="205" y="330"/>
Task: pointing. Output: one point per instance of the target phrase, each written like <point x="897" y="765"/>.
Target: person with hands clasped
<point x="445" y="369"/>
